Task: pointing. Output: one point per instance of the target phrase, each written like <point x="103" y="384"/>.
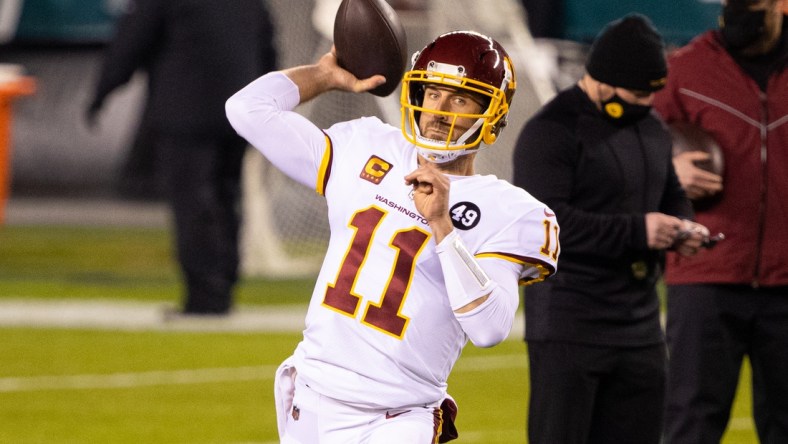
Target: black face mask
<point x="741" y="27"/>
<point x="623" y="113"/>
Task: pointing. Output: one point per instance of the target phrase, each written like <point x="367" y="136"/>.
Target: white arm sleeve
<point x="468" y="279"/>
<point x="491" y="322"/>
<point x="262" y="114"/>
<point x="465" y="280"/>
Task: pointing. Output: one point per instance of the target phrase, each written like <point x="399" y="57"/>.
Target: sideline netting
<point x="285" y="231"/>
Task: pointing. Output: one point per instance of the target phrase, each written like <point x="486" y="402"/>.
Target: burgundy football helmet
<point x="465" y="60"/>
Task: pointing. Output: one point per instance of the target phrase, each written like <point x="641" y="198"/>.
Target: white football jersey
<point x="379" y="330"/>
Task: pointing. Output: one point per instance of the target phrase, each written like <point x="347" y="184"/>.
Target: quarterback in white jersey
<point x="423" y="255"/>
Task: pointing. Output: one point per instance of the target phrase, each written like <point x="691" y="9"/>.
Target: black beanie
<point x="629" y="53"/>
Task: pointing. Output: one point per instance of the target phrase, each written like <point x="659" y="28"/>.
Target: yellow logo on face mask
<point x="614" y="110"/>
<point x="375" y="170"/>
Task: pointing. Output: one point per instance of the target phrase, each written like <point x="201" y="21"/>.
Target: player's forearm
<point x="484" y="300"/>
<point x="326" y="75"/>
<point x="440" y="228"/>
<point x="472" y="305"/>
<point x="312" y="80"/>
<point x="491" y="321"/>
<point x="466" y="281"/>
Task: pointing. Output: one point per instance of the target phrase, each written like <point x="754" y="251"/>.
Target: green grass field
<point x="103" y="386"/>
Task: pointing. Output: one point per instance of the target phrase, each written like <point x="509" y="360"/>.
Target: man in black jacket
<point x="598" y="157"/>
<point x="196" y="54"/>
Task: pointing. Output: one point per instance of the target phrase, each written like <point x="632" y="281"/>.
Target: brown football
<point x="370" y="39"/>
<point x="689" y="137"/>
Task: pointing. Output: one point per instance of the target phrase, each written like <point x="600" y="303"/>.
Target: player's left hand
<point x="431" y="196"/>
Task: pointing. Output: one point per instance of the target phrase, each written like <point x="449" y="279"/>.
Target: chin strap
<point x="466" y="281"/>
<point x="439" y="156"/>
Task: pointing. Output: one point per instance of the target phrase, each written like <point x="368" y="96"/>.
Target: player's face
<point x="450" y="102"/>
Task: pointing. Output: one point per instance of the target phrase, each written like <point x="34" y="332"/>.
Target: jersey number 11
<point x="385" y="316"/>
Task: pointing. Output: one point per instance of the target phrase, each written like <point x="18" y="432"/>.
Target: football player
<point x="424" y="253"/>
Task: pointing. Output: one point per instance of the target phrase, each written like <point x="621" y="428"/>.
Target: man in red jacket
<point x="732" y="301"/>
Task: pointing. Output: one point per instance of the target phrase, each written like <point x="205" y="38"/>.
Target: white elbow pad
<point x="466" y="281"/>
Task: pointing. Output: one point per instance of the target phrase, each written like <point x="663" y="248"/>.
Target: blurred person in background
<point x="196" y="54"/>
<point x="732" y="301"/>
<point x="601" y="160"/>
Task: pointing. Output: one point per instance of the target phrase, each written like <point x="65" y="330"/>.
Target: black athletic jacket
<point x="601" y="180"/>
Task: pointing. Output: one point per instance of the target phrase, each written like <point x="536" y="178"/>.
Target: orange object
<point x="9" y="90"/>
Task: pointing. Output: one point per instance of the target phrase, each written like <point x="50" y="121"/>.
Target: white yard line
<point x="129" y="315"/>
<point x="126" y="315"/>
<point x="201" y="376"/>
<point x="138" y="379"/>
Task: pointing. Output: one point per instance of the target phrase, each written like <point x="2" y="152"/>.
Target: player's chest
<point x="371" y="191"/>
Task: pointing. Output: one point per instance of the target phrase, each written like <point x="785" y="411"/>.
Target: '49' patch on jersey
<point x="465" y="215"/>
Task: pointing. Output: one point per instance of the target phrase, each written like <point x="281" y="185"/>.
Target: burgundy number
<point x="384" y="316"/>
